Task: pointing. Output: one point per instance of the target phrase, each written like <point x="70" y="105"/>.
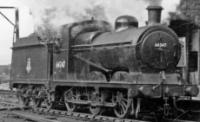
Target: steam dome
<point x="125" y="22"/>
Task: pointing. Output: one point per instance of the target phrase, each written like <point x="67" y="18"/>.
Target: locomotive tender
<point x="131" y="70"/>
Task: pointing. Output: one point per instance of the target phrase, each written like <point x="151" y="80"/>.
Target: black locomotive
<point x="130" y="70"/>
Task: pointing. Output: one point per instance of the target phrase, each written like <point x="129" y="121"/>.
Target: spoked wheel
<point x="123" y="104"/>
<point x="21" y="100"/>
<point x="34" y="99"/>
<point x="70" y="106"/>
<point x="23" y="97"/>
<point x="26" y="101"/>
<point x="37" y="102"/>
<point x="49" y="101"/>
<point x="95" y="110"/>
<point x="48" y="104"/>
<point x="69" y="97"/>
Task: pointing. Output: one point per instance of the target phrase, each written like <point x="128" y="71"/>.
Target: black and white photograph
<point x="99" y="60"/>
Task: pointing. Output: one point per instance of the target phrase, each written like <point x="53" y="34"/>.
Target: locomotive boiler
<point x="130" y="70"/>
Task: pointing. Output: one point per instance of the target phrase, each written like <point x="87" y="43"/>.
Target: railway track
<point x="10" y="106"/>
<point x="44" y="115"/>
<point x="8" y="101"/>
<point x="33" y="116"/>
<point x="7" y="92"/>
<point x="84" y="116"/>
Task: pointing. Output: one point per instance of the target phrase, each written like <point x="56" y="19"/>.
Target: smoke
<point x="154" y="2"/>
<point x="50" y="14"/>
<point x="61" y="12"/>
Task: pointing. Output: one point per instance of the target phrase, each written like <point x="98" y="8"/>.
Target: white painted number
<point x="60" y="64"/>
<point x="159" y="45"/>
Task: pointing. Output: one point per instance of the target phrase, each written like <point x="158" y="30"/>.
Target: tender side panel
<point x="29" y="63"/>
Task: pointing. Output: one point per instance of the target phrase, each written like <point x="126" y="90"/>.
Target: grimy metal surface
<point x="106" y="53"/>
<point x="89" y="57"/>
<point x="29" y="60"/>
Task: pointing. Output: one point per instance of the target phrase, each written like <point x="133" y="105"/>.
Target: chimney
<point x="154" y="15"/>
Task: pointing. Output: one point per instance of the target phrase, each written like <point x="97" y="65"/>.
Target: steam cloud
<point x="154" y="2"/>
<point x="50" y="14"/>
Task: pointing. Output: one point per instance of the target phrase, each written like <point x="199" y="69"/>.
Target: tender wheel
<point x="37" y="102"/>
<point x="48" y="102"/>
<point x="123" y="104"/>
<point x="26" y="101"/>
<point x="69" y="97"/>
<point x="23" y="95"/>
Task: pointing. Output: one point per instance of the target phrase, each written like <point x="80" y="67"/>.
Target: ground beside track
<point x="5" y="116"/>
<point x="9" y="116"/>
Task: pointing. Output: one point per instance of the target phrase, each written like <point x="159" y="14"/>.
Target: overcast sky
<point x="31" y="12"/>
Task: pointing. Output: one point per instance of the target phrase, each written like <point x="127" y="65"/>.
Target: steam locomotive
<point x="131" y="70"/>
